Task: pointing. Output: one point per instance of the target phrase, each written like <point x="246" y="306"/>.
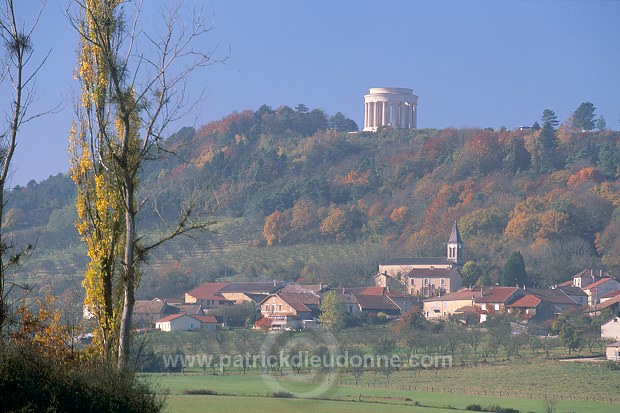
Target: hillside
<point x="303" y="197"/>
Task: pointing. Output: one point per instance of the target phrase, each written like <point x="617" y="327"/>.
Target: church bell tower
<point x="455" y="246"/>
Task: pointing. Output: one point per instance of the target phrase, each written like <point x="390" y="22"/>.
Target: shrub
<point x="283" y="394"/>
<point x="474" y="408"/>
<point x="30" y="381"/>
<point x="201" y="392"/>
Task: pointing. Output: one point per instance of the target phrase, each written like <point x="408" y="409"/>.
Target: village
<point x="430" y="286"/>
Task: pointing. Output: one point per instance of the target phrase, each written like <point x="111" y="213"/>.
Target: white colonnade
<point x="390" y="106"/>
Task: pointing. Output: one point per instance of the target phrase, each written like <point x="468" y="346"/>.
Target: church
<point x="426" y="276"/>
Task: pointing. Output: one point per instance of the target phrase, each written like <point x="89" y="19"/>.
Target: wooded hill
<point x="289" y="178"/>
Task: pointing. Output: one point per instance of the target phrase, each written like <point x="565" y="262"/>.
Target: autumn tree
<point x="129" y="96"/>
<point x="276" y="226"/>
<point x="17" y="76"/>
<point x="337" y="223"/>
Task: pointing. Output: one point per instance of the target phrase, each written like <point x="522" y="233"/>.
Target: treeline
<point x="550" y="192"/>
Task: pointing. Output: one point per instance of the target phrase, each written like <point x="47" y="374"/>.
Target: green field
<point x="576" y="387"/>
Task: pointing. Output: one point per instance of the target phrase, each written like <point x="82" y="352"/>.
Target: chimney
<point x="600" y="272"/>
<point x="321" y="286"/>
<point x="274" y="283"/>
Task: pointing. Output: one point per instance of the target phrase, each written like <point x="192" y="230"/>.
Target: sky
<point x="471" y="63"/>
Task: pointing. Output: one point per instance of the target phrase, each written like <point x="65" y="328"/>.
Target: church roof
<point x="418" y="261"/>
<point x="456" y="235"/>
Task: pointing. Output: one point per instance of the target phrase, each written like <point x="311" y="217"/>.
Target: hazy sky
<point x="472" y="63"/>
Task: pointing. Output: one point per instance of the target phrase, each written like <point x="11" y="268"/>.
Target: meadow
<point x="523" y="385"/>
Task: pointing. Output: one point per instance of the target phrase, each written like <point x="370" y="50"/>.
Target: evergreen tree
<point x="549" y="118"/>
<point x="600" y="123"/>
<point x="607" y="161"/>
<point x="341" y="123"/>
<point x="583" y="117"/>
<point x="536" y="126"/>
<point x="513" y="272"/>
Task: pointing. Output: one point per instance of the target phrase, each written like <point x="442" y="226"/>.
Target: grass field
<point x="523" y="385"/>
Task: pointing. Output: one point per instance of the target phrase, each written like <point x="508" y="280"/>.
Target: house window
<point x="445" y="304"/>
<point x="428" y="314"/>
<point x="442" y="282"/>
<point x="350" y="309"/>
<point x="496" y="307"/>
<point x="432" y="287"/>
<point x="280" y="307"/>
<point x="426" y="281"/>
<point x="412" y="281"/>
<point x="273" y="308"/>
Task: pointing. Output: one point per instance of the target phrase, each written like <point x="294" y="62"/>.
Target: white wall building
<point x="178" y="322"/>
<point x="611" y="329"/>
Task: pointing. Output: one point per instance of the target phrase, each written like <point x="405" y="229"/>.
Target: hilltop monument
<point x="390" y="106"/>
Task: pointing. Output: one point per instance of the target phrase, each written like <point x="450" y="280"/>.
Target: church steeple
<point x="455" y="246"/>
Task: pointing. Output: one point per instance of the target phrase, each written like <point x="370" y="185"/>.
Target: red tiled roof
<point x="605" y="304"/>
<point x="297" y="301"/>
<point x="462" y="294"/>
<point x="527" y="301"/>
<point x="205" y="319"/>
<point x="496" y="294"/>
<point x="148" y="306"/>
<point x="207" y="291"/>
<point x="172" y="317"/>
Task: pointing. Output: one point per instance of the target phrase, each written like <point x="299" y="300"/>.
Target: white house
<point x="181" y="322"/>
<point x="611" y="329"/>
<point x="612" y="351"/>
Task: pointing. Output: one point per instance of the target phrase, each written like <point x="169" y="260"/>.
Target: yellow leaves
<point x="44" y="329"/>
<point x="540" y="217"/>
<point x="607" y="191"/>
<point x="399" y="214"/>
<point x="356" y="178"/>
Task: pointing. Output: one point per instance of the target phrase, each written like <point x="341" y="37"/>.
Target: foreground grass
<point x="250" y="391"/>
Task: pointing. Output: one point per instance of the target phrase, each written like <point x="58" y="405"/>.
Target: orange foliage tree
<point x="337" y="223"/>
<point x="276" y="226"/>
<point x="586" y="174"/>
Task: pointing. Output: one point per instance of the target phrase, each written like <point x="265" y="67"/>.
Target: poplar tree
<point x="128" y="98"/>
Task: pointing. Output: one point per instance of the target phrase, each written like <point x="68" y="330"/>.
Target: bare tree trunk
<point x="124" y="341"/>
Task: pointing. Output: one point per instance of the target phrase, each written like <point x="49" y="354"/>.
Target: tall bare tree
<point x="132" y="89"/>
<point x="17" y="38"/>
